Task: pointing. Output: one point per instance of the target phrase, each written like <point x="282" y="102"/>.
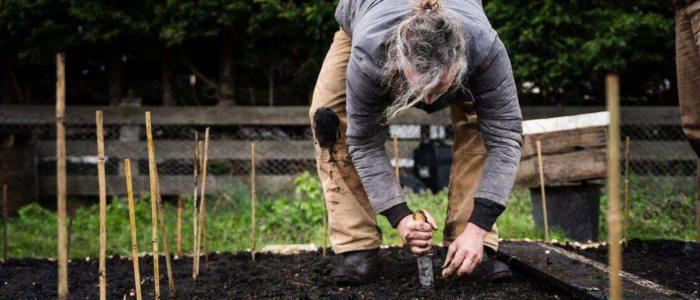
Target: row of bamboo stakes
<point x="614" y="232"/>
<point x="157" y="210"/>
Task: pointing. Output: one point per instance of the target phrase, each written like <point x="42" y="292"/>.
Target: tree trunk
<point x="166" y="78"/>
<point x="115" y="75"/>
<point x="226" y="70"/>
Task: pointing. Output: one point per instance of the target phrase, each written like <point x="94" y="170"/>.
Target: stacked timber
<point x="573" y="149"/>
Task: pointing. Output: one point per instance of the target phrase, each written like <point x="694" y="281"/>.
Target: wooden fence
<point x="126" y="124"/>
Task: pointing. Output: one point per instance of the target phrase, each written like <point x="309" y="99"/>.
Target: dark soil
<point x="674" y="264"/>
<point x="235" y="276"/>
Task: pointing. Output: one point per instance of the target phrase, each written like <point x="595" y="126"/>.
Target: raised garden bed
<point x="674" y="264"/>
<point x="235" y="276"/>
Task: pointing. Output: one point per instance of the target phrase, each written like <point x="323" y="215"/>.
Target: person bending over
<point x="389" y="56"/>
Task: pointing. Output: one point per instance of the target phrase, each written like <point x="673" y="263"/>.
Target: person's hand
<point x="417" y="235"/>
<point x="465" y="252"/>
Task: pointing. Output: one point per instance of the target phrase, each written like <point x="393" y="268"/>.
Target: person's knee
<point x="326" y="125"/>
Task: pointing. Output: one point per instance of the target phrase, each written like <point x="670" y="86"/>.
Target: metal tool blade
<point x="425" y="270"/>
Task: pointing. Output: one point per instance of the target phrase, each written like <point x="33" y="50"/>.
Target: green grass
<point x="297" y="218"/>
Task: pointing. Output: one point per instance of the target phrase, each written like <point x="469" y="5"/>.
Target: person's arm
<point x="366" y="137"/>
<point x="500" y="124"/>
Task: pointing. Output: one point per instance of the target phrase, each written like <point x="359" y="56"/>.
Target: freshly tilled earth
<point x="270" y="276"/>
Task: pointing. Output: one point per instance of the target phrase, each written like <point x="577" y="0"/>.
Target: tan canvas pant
<point x="352" y="221"/>
<point x="688" y="70"/>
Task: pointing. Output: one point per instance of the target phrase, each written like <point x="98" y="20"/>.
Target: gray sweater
<point x="489" y="80"/>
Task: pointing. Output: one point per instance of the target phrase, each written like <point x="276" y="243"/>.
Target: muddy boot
<point x="490" y="269"/>
<point x="356" y="267"/>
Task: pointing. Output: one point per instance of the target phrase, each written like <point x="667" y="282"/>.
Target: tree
<point x="563" y="49"/>
<point x="184" y="20"/>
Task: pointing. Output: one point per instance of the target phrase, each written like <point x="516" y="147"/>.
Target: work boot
<point x="356" y="267"/>
<point x="490" y="269"/>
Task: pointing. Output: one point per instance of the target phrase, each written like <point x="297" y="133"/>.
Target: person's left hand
<point x="465" y="252"/>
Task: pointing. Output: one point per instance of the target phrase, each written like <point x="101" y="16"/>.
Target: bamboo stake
<point x="252" y="200"/>
<point x="204" y="237"/>
<point x="627" y="189"/>
<point x="614" y="254"/>
<point x="179" y="227"/>
<point x="697" y="203"/>
<point x="544" y="197"/>
<point x="154" y="205"/>
<point x="103" y="204"/>
<point x="166" y="244"/>
<point x="325" y="227"/>
<point x="155" y="193"/>
<point x="197" y="256"/>
<point x="396" y="159"/>
<point x="194" y="213"/>
<point x="61" y="176"/>
<point x="132" y="223"/>
<point x="4" y="223"/>
<point x="202" y="202"/>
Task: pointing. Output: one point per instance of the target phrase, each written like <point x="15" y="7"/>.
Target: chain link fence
<point x="283" y="151"/>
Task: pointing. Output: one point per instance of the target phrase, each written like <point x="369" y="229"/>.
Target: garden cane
<point x="425" y="262"/>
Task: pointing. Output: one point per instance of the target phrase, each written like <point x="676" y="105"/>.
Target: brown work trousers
<point x="688" y="70"/>
<point x="352" y="221"/>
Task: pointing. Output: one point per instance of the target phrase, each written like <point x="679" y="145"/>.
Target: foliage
<point x="565" y="48"/>
<point x="297" y="219"/>
<point x="560" y="50"/>
<point x="654" y="214"/>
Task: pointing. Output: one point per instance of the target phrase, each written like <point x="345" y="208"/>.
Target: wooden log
<point x="544" y="199"/>
<point x="61" y="176"/>
<point x="154" y="207"/>
<point x="563" y="168"/>
<point x="102" y="186"/>
<point x="562" y="142"/>
<point x="132" y="225"/>
<point x="612" y="91"/>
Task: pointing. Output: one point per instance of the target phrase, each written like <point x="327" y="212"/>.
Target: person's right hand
<point x="416" y="234"/>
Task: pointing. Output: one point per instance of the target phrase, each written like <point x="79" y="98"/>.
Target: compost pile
<point x="674" y="264"/>
<point x="235" y="276"/>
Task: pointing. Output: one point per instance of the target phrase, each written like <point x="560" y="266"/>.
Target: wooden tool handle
<point x="420" y="216"/>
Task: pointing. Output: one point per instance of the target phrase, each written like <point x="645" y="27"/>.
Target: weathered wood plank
<point x="564" y="141"/>
<point x="576" y="274"/>
<point x="566" y="123"/>
<point x="218" y="149"/>
<point x="563" y="168"/>
<point x="289" y="115"/>
<point x="169" y="184"/>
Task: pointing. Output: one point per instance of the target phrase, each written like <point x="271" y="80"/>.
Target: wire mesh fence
<point x="658" y="150"/>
